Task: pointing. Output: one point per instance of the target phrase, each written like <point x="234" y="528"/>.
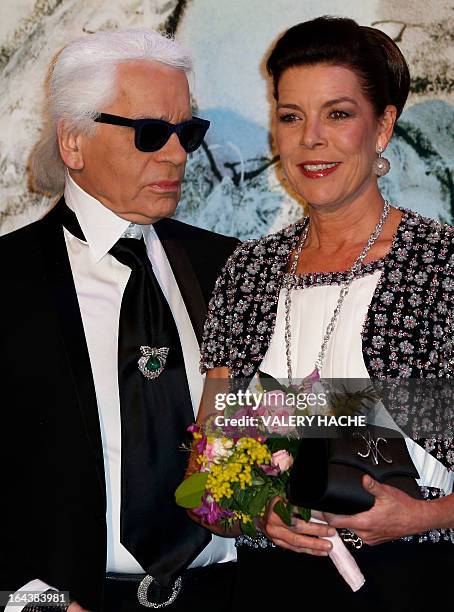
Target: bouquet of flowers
<point x="244" y="462"/>
<point x="243" y="458"/>
<point x="237" y="478"/>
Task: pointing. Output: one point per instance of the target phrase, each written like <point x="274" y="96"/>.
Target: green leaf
<point x="305" y="513"/>
<point x="243" y="496"/>
<point x="230" y="411"/>
<point x="259" y="500"/>
<point x="257" y="481"/>
<point x="248" y="529"/>
<point x="284" y="512"/>
<point x="269" y="383"/>
<point x="291" y="445"/>
<point x="190" y="492"/>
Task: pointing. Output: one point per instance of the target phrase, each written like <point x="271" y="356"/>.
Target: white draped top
<point x="311" y="312"/>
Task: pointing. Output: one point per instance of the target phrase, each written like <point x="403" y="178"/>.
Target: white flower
<point x="219" y="450"/>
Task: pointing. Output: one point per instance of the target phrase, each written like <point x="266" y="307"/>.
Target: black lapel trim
<point x="185" y="276"/>
<point x="63" y="293"/>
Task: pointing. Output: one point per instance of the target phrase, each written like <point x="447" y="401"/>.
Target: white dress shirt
<point x="100" y="280"/>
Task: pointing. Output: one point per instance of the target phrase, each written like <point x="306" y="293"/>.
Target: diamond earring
<point x="381" y="164"/>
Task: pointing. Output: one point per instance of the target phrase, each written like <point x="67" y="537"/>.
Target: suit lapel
<point x="64" y="297"/>
<point x="185" y="276"/>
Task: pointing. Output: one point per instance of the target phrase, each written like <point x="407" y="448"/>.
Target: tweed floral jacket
<point x="409" y="326"/>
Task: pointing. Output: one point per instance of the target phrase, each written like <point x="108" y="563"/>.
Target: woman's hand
<point x="301" y="537"/>
<point x="394" y="514"/>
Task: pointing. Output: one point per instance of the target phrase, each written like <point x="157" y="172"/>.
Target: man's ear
<point x="70" y="145"/>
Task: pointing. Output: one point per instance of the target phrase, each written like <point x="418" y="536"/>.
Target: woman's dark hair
<point x="370" y="53"/>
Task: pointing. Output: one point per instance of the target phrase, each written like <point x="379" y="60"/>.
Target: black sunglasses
<point x="152" y="134"/>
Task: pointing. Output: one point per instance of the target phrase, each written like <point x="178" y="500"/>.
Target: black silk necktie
<point x="155" y="413"/>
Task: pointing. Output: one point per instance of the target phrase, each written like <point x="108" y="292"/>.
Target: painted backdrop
<point x="232" y="184"/>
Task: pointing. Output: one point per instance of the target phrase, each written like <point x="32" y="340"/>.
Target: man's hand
<point x="394" y="514"/>
<point x="301" y="537"/>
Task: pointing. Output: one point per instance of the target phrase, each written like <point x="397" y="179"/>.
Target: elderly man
<point x="102" y="309"/>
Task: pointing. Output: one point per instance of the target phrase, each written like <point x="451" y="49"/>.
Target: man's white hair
<point x="82" y="80"/>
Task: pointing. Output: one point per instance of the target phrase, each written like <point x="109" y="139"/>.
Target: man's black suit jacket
<point x="53" y="499"/>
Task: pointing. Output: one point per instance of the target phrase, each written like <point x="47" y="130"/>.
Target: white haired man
<point x="99" y="326"/>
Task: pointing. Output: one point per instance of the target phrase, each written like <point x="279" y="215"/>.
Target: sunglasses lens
<point x="153" y="136"/>
<point x="192" y="135"/>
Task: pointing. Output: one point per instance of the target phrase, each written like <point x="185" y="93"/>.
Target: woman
<point x="369" y="295"/>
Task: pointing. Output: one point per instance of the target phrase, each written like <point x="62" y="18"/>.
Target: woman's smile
<point x="318" y="169"/>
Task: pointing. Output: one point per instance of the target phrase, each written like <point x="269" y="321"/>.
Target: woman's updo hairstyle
<point x="370" y="53"/>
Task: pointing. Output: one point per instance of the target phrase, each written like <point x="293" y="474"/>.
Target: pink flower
<point x="219" y="450"/>
<point x="308" y="382"/>
<point x="201" y="444"/>
<point x="282" y="459"/>
<point x="274" y="414"/>
<point x="235" y="432"/>
<point x="275" y="399"/>
<point x="210" y="511"/>
<point x="270" y="470"/>
<point x="194" y="428"/>
<point x="276" y="420"/>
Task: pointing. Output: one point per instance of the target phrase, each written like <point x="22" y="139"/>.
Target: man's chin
<point x="151" y="214"/>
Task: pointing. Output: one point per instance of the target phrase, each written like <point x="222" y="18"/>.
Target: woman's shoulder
<point x="431" y="240"/>
<point x="269" y="248"/>
<point x="425" y="227"/>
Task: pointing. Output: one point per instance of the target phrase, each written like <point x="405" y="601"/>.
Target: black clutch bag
<point x="327" y="472"/>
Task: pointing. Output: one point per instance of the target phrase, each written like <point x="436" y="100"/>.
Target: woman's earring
<point x="381" y="164"/>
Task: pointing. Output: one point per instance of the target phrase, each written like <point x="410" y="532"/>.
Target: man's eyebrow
<point x="147" y="116"/>
<point x="324" y="105"/>
<point x="159" y="116"/>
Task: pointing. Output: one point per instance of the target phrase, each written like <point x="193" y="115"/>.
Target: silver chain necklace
<point x="289" y="279"/>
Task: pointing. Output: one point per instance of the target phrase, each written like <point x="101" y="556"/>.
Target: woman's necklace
<point x="288" y="285"/>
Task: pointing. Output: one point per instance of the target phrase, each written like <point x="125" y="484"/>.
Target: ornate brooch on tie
<point x="153" y="361"/>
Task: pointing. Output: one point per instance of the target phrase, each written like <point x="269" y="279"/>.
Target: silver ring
<point x="350" y="537"/>
<point x="142" y="593"/>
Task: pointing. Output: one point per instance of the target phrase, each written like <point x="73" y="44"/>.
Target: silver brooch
<point x="153" y="361"/>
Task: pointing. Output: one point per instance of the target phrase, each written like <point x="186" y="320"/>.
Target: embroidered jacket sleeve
<point x="216" y="344"/>
<point x="242" y="309"/>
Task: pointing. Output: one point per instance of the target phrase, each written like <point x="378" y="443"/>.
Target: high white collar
<point x="101" y="227"/>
